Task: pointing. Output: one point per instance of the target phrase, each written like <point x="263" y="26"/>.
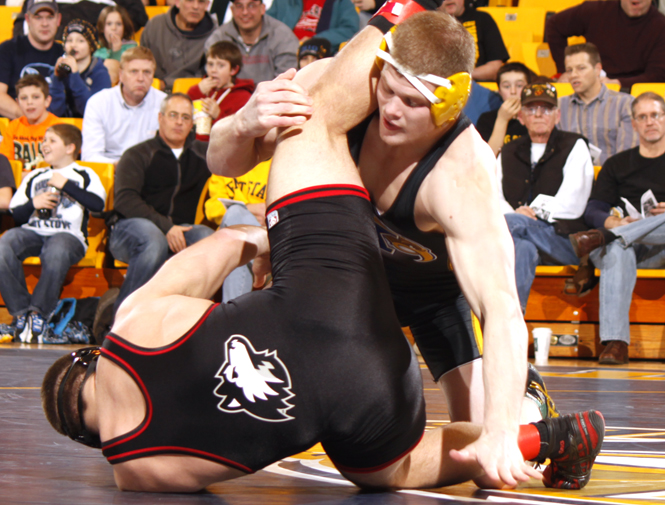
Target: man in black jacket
<point x="158" y="184"/>
<point x="545" y="179"/>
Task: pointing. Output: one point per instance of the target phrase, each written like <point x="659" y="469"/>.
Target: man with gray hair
<point x="158" y="184"/>
<point x="619" y="202"/>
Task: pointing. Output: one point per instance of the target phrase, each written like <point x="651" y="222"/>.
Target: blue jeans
<point x="141" y="244"/>
<point x="57" y="254"/>
<point x="536" y="243"/>
<point x="239" y="281"/>
<point x="639" y="245"/>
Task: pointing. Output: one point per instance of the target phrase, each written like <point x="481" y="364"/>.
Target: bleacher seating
<point x="656" y="87"/>
<point x="7" y="17"/>
<point x="183" y="84"/>
<point x="76" y="121"/>
<point x="152" y="11"/>
<point x="550" y="5"/>
<point x="518" y="24"/>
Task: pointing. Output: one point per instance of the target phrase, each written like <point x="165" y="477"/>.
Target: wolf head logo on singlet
<point x="254" y="382"/>
<point x="391" y="241"/>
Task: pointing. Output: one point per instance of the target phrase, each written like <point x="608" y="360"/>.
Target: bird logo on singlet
<point x="392" y="242"/>
<point x="254" y="382"/>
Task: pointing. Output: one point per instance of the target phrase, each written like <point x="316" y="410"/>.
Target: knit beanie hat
<point x="317" y="46"/>
<point x="84" y="28"/>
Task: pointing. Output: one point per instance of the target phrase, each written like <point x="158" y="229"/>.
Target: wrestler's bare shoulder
<point x="467" y="154"/>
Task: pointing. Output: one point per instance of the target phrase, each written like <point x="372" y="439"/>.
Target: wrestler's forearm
<point x="230" y="152"/>
<point x="201" y="268"/>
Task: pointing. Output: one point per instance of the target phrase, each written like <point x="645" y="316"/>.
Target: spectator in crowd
<point x="120" y="117"/>
<point x="366" y="9"/>
<point x="500" y="126"/>
<point x="243" y="202"/>
<point x="221" y="92"/>
<point x="312" y="50"/>
<point x="268" y="46"/>
<point x="116" y="33"/>
<point x="609" y="25"/>
<point x="334" y="20"/>
<point x="491" y="52"/>
<point x="89" y="10"/>
<point x="23" y="137"/>
<point x="158" y="184"/>
<point x="545" y="179"/>
<point x="7" y="182"/>
<point x="51" y="208"/>
<point x="626" y="176"/>
<point x="78" y="74"/>
<point x="601" y="115"/>
<point x="35" y="52"/>
<point x="176" y="38"/>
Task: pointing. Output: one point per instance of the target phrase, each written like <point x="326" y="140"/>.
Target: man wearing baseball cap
<point x="313" y="49"/>
<point x="545" y="179"/>
<point x="34" y="53"/>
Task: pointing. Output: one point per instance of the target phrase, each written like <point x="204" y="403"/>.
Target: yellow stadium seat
<point x="7" y="17"/>
<point x="137" y="35"/>
<point x="563" y="88"/>
<point x="156" y="10"/>
<point x="156" y="83"/>
<point x="4" y="123"/>
<point x="656" y="87"/>
<point x="17" y="169"/>
<point x="550" y="5"/>
<point x="519" y="20"/>
<point x="492" y="86"/>
<point x="536" y="56"/>
<point x="614" y="87"/>
<point x="76" y="121"/>
<point x="97" y="232"/>
<point x="183" y="84"/>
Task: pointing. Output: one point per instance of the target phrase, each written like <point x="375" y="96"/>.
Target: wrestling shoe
<point x="21" y="328"/>
<point x="575" y="441"/>
<point x="536" y="391"/>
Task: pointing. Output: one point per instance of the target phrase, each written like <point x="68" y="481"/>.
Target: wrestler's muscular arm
<point x="458" y="196"/>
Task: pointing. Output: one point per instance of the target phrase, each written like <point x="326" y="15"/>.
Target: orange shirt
<point x="23" y="141"/>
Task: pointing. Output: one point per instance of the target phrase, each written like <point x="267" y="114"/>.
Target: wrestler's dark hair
<point x="647" y="95"/>
<point x="433" y="43"/>
<point x="50" y="387"/>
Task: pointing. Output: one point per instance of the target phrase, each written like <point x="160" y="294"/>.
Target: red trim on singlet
<point x="382" y="466"/>
<point x="313" y="192"/>
<point x="175" y="449"/>
<point x="146" y="421"/>
<point x="173" y="345"/>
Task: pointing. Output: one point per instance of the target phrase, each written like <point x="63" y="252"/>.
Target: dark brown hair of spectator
<point x="32" y="80"/>
<point x="50" y="387"/>
<point x="137" y="53"/>
<point x="69" y="134"/>
<point x="127" y="25"/>
<point x="433" y="43"/>
<point x="226" y="50"/>
<point x="515" y="66"/>
<point x="588" y="48"/>
<point x="647" y="95"/>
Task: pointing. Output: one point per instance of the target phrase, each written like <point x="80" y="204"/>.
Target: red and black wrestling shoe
<point x="575" y="441"/>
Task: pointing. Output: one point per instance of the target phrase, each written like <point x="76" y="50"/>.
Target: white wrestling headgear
<point x="447" y="100"/>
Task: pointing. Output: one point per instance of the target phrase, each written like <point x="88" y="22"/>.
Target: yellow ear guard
<point x="450" y="96"/>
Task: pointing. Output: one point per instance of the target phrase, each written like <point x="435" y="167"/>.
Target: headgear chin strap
<point x="447" y="100"/>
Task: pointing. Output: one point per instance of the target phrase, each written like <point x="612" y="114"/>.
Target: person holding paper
<point x="631" y="180"/>
<point x="545" y="180"/>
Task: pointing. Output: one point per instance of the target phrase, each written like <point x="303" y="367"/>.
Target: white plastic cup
<point x="541" y="344"/>
<point x="202" y="121"/>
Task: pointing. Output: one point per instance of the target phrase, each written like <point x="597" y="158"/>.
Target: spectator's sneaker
<point x="575" y="440"/>
<point x="22" y="328"/>
<point x="536" y="391"/>
<point x="37" y="324"/>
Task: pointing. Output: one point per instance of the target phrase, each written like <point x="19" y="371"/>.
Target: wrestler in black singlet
<point x="320" y="353"/>
<point x="427" y="296"/>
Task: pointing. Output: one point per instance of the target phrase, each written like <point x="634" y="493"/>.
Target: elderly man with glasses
<point x="628" y="241"/>
<point x="545" y="180"/>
